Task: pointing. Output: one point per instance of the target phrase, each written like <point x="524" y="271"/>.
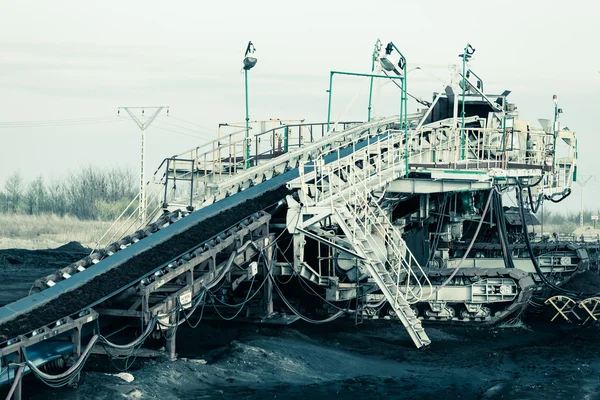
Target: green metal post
<point x="464" y="86"/>
<point x="247" y="121"/>
<point x="351" y="74"/>
<point x="555" y="130"/>
<point x="405" y="116"/>
<point x="375" y="54"/>
<point x="329" y="105"/>
<point x="404" y="107"/>
<point x="286" y="132"/>
<point x="465" y="57"/>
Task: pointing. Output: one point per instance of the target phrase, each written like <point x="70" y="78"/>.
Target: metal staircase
<point x="392" y="276"/>
<point x="346" y="188"/>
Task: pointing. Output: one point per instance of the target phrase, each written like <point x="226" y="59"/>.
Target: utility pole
<point x="143" y="125"/>
<point x="582" y="183"/>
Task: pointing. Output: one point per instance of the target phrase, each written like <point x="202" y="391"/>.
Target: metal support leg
<point x="171" y="335"/>
<point x="76" y="339"/>
<point x="15" y="392"/>
<point x="268" y="287"/>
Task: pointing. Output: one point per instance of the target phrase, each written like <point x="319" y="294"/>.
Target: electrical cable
<point x="51" y="125"/>
<point x="211" y="134"/>
<point x="179" y="133"/>
<point x="65" y="377"/>
<point x="534" y="260"/>
<point x="564" y="194"/>
<point x="193" y="123"/>
<point x="438" y="230"/>
<point x="540" y="199"/>
<point x="292" y="309"/>
<point x="483" y="214"/>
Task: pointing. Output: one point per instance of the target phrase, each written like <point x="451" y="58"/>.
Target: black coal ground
<point x="19" y="268"/>
<point x="374" y="360"/>
<point x="77" y="299"/>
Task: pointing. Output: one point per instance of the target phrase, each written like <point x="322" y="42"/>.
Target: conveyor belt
<point x="84" y="289"/>
<point x="88" y="288"/>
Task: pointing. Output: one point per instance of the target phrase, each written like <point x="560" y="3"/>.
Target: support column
<point x="268" y="286"/>
<point x="172" y="334"/>
<point x="17" y="387"/>
<point x="76" y="340"/>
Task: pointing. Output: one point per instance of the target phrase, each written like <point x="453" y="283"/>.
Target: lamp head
<point x="249" y="58"/>
<point x="388" y="62"/>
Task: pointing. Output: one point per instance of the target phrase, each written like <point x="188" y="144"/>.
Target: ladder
<point x="346" y="186"/>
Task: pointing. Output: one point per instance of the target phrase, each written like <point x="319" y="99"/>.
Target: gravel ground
<point x="339" y="360"/>
<point x="373" y="360"/>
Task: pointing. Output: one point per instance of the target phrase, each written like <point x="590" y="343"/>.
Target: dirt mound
<point x="19" y="268"/>
<point x="58" y="257"/>
<point x="587" y="282"/>
<point x="72" y="247"/>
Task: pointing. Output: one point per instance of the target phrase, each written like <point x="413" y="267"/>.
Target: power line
<point x="193" y="123"/>
<point x="59" y="124"/>
<point x="52" y="121"/>
<point x="174" y="131"/>
<point x="187" y="129"/>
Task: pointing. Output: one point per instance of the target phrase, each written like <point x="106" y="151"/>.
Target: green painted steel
<point x="247" y="139"/>
<point x="332" y="73"/>
<point x="465" y="56"/>
<point x="373" y="58"/>
<point x="329" y="105"/>
<point x="403" y="115"/>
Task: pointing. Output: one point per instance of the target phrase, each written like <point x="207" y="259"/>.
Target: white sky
<point x="74" y="59"/>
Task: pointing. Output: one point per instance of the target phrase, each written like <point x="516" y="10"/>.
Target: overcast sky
<point x="66" y="60"/>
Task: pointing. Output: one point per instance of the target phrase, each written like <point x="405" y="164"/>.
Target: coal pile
<point x="55" y="258"/>
<point x="587" y="282"/>
<point x="132" y="269"/>
<point x="19" y="268"/>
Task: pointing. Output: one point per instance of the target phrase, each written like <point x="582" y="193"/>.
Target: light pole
<point x="374" y="59"/>
<point x="249" y="62"/>
<point x="466" y="55"/>
<point x="555" y="127"/>
<point x="388" y="63"/>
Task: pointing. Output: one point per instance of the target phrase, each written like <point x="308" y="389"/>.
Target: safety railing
<point x="368" y="218"/>
<point x="349" y="181"/>
<point x="484" y="148"/>
<point x="194" y="173"/>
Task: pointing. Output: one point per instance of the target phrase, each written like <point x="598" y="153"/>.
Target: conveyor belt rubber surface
<point x="88" y="288"/>
<point x="132" y="263"/>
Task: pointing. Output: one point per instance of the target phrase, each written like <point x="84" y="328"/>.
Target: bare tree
<point x="14" y="191"/>
<point x="35" y="197"/>
<point x="56" y="199"/>
<point x="88" y="193"/>
<point x="3" y="202"/>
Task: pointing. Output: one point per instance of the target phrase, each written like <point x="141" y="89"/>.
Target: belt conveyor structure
<point x="341" y="198"/>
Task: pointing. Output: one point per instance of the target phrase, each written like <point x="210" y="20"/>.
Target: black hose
<point x="531" y="185"/>
<point x="538" y="203"/>
<point x="565" y="193"/>
<point x="502" y="231"/>
<point x="534" y="259"/>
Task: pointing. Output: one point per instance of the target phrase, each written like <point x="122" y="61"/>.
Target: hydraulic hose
<point x="534" y="260"/>
<point x="68" y="373"/>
